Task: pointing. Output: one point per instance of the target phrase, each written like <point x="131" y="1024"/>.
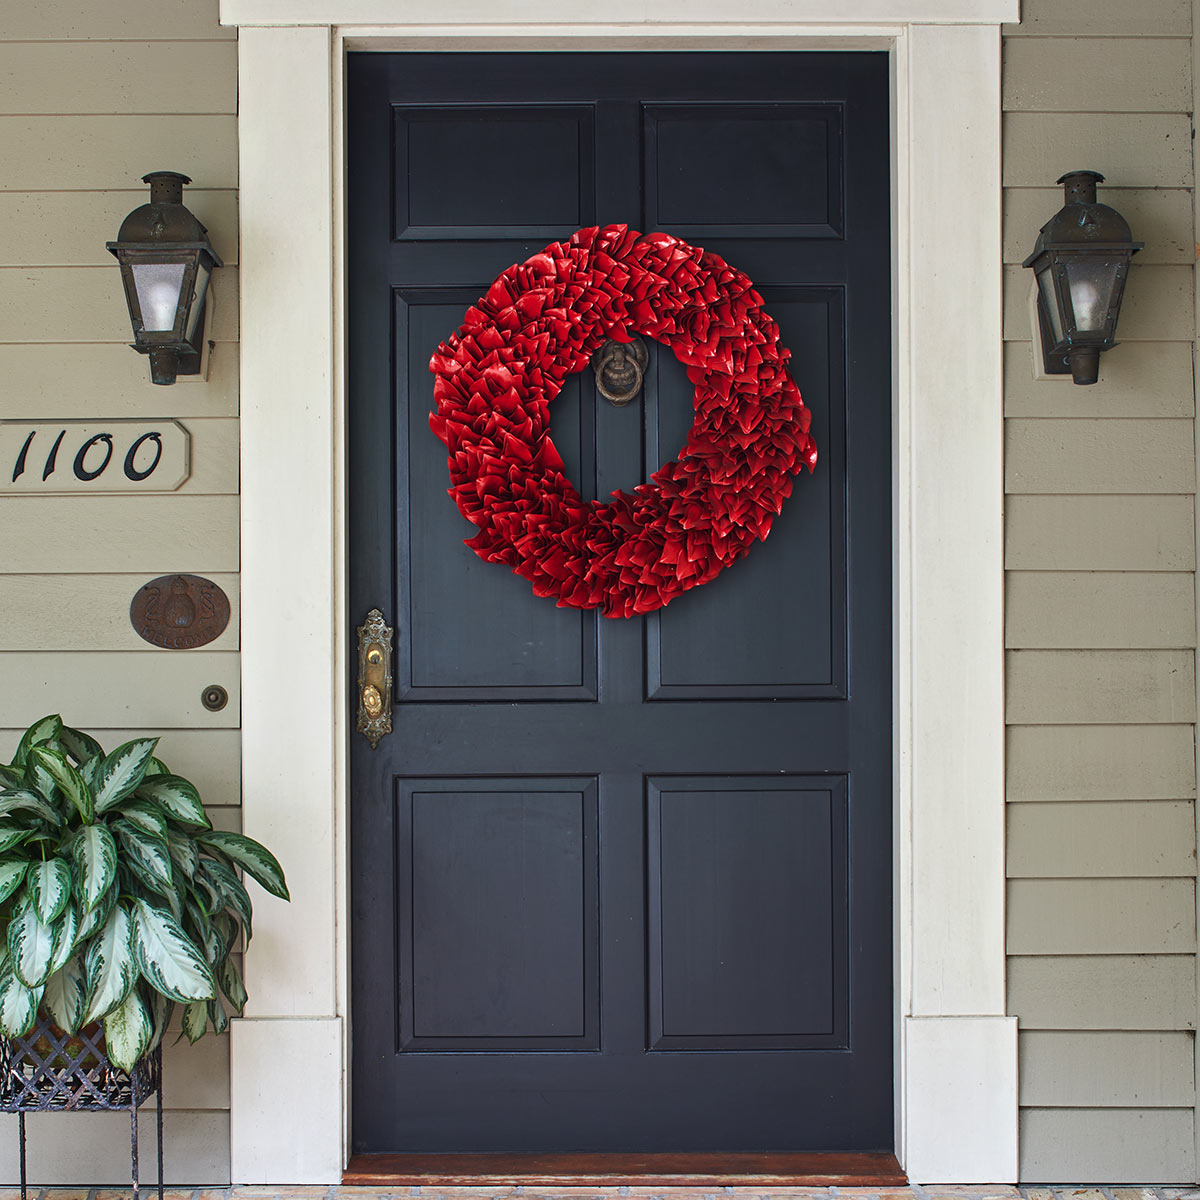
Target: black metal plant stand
<point x="49" y="1071"/>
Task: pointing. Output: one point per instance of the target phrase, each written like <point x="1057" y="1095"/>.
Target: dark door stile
<point x="623" y="888"/>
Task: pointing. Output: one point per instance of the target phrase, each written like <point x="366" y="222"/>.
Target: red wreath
<point x="542" y="321"/>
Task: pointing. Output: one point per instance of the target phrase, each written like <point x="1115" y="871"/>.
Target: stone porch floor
<point x="931" y="1192"/>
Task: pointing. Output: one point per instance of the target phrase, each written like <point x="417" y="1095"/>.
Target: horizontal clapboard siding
<point x="1102" y="19"/>
<point x="1100" y="762"/>
<point x="1109" y="609"/>
<point x="1101" y="840"/>
<point x="1112" y="1069"/>
<point x="1107" y="1145"/>
<point x="1100" y="554"/>
<point x="77" y="380"/>
<point x="70" y="229"/>
<point x="93" y="93"/>
<point x="1100" y="533"/>
<point x="91" y="612"/>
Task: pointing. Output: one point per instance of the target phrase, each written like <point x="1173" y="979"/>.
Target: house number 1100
<point x="72" y="456"/>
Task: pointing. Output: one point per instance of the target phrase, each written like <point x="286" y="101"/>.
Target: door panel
<point x="623" y="885"/>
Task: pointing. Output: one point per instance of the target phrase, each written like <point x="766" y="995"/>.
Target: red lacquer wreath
<point x="543" y="320"/>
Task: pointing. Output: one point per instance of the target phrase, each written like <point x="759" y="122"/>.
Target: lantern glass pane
<point x="1091" y="280"/>
<point x="158" y="287"/>
<point x="1046" y="286"/>
<point x="202" y="277"/>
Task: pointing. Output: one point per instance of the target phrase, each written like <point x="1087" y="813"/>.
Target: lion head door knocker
<point x="620" y="368"/>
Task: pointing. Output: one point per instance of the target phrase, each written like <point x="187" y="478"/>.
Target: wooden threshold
<point x="626" y="1170"/>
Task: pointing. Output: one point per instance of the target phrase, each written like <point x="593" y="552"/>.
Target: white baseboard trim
<point x="961" y="1091"/>
<point x="285" y="1100"/>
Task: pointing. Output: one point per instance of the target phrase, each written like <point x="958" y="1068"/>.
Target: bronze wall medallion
<point x="179" y="612"/>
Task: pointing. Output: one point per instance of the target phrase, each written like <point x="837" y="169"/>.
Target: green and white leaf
<point x="178" y="797"/>
<point x="23" y="799"/>
<point x="218" y="1016"/>
<point x="122" y="771"/>
<point x="195" y="1020"/>
<point x="18" y="1006"/>
<point x="147" y="856"/>
<point x="90" y="770"/>
<point x="167" y="958"/>
<point x="253" y="858"/>
<point x="111" y="967"/>
<point x="80" y="746"/>
<point x="12" y="875"/>
<point x="146" y="815"/>
<point x="183" y="853"/>
<point x="157" y="767"/>
<point x="93" y="918"/>
<point x="95" y="854"/>
<point x="232" y="985"/>
<point x="49" y="886"/>
<point x="11" y="777"/>
<point x="69" y="781"/>
<point x="200" y="929"/>
<point x="30" y="946"/>
<point x="233" y="892"/>
<point x="66" y="937"/>
<point x="161" y="1010"/>
<point x="65" y="994"/>
<point x="127" y="1031"/>
<point x="48" y="729"/>
<point x="12" y="835"/>
<point x="38" y="779"/>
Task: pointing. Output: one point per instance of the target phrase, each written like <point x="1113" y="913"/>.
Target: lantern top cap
<point x="1079" y="187"/>
<point x="165" y="223"/>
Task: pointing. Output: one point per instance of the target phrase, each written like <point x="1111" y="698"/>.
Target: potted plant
<point x="118" y="899"/>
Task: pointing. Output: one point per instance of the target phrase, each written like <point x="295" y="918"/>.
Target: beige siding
<point x="1100" y="553"/>
<point x="92" y="96"/>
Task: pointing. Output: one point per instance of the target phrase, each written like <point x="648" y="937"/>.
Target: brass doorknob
<point x="374" y="677"/>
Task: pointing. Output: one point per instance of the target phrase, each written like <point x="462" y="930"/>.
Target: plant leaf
<point x="22" y="799"/>
<point x="157" y="767"/>
<point x="160" y="1009"/>
<point x="12" y="875"/>
<point x="69" y="781"/>
<point x="80" y="746"/>
<point x="127" y="1031"/>
<point x="147" y="856"/>
<point x="253" y="857"/>
<point x="49" y="885"/>
<point x="122" y="771"/>
<point x="183" y="853"/>
<point x="95" y="854"/>
<point x="48" y="729"/>
<point x="30" y="946"/>
<point x="18" y="1006"/>
<point x="66" y="937"/>
<point x="167" y="958"/>
<point x="195" y="1019"/>
<point x="12" y="835"/>
<point x="233" y="893"/>
<point x="39" y="780"/>
<point x="232" y="985"/>
<point x="11" y="777"/>
<point x="178" y="797"/>
<point x="93" y="918"/>
<point x="218" y="1016"/>
<point x="146" y="815"/>
<point x="111" y="967"/>
<point x="66" y="993"/>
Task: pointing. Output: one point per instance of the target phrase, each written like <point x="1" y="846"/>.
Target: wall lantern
<point x="1080" y="261"/>
<point x="166" y="262"/>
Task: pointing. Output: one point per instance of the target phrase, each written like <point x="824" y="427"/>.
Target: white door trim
<point x="956" y="1049"/>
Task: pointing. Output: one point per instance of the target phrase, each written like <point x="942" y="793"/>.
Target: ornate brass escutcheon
<point x="619" y="368"/>
<point x="374" y="677"/>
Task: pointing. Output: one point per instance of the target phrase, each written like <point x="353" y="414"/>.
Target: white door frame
<point x="956" y="1099"/>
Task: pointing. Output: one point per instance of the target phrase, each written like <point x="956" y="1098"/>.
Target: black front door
<point x="623" y="885"/>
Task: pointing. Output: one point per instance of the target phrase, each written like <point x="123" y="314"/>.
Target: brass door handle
<point x="374" y="677"/>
